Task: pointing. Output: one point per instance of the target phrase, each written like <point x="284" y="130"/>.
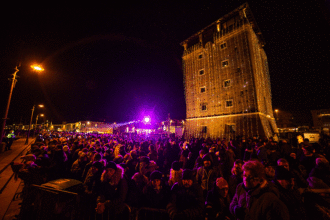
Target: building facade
<point x="321" y="120"/>
<point x="226" y="79"/>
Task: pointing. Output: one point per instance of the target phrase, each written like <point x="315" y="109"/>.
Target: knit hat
<point x="176" y="165"/>
<point x="282" y="174"/>
<point x="187" y="174"/>
<point x="221" y="183"/>
<point x="112" y="165"/>
<point x="156" y="175"/>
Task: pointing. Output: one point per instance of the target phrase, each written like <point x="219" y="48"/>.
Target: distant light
<point x="147" y="119"/>
<point x="37" y="67"/>
<point x="42" y="115"/>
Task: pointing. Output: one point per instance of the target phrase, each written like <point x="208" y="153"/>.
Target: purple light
<point x="146" y="119"/>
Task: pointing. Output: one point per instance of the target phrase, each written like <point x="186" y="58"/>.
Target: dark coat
<point x="114" y="192"/>
<point x="260" y="203"/>
<point x="156" y="199"/>
<point x="217" y="206"/>
<point x="293" y="201"/>
<point x="186" y="203"/>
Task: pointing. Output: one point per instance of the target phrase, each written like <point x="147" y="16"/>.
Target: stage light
<point x="147" y="119"/>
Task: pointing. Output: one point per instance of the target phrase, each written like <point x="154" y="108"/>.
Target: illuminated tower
<point x="226" y="78"/>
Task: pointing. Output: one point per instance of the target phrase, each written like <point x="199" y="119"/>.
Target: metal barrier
<point x="152" y="214"/>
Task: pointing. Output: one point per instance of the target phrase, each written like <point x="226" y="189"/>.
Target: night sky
<point x="116" y="62"/>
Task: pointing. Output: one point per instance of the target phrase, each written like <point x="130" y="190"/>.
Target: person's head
<point x="82" y="157"/>
<point x="283" y="177"/>
<point x="97" y="157"/>
<point x="308" y="150"/>
<point x="222" y="186"/>
<point x="110" y="169"/>
<point x="283" y="163"/>
<point x="207" y="160"/>
<point x="97" y="167"/>
<point x="187" y="178"/>
<point x="202" y="153"/>
<point x="237" y="168"/>
<point x="156" y="178"/>
<point x="144" y="161"/>
<point x="253" y="174"/>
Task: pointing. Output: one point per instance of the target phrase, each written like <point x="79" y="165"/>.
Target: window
<point x="229" y="103"/>
<point x="203" y="89"/>
<point x="201" y="72"/>
<point x="226" y="83"/>
<point x="224" y="63"/>
<point x="204" y="129"/>
<point x="223" y="45"/>
<point x="204" y="107"/>
<point x="200" y="56"/>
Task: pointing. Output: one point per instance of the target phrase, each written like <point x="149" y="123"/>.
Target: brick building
<point x="226" y="79"/>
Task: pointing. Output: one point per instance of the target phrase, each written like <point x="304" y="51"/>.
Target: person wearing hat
<point x="207" y="174"/>
<point x="146" y="166"/>
<point x="93" y="178"/>
<point x="187" y="200"/>
<point x="175" y="173"/>
<point x="256" y="198"/>
<point x="236" y="177"/>
<point x="156" y="194"/>
<point x="113" y="190"/>
<point x="218" y="200"/>
<point x="289" y="195"/>
<point x="308" y="160"/>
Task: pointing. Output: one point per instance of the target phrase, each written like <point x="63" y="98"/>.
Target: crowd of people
<point x="242" y="178"/>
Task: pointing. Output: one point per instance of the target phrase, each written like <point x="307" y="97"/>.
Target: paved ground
<point x="9" y="187"/>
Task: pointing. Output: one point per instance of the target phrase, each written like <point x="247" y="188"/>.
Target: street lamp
<point x="41" y="115"/>
<point x="13" y="82"/>
<point x="28" y="134"/>
<point x="276" y="113"/>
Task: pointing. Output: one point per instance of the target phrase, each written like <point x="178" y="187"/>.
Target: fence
<point x="50" y="203"/>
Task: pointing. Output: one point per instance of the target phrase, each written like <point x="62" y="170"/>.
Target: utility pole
<point x="13" y="83"/>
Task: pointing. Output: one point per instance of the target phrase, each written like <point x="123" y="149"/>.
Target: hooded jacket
<point x="114" y="191"/>
<point x="260" y="203"/>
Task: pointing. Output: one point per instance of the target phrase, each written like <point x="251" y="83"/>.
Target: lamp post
<point x="41" y="115"/>
<point x="28" y="134"/>
<point x="13" y="82"/>
<point x="276" y="113"/>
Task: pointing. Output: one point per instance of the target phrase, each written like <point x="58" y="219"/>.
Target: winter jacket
<point x="114" y="191"/>
<point x="157" y="199"/>
<point x="186" y="203"/>
<point x="219" y="206"/>
<point x="260" y="203"/>
<point x="207" y="177"/>
<point x="293" y="201"/>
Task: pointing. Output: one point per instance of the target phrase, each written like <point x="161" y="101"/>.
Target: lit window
<point x="223" y="45"/>
<point x="226" y="83"/>
<point x="224" y="63"/>
<point x="201" y="72"/>
<point x="203" y="89"/>
<point x="229" y="103"/>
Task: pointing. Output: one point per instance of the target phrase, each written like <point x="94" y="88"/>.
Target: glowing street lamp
<point x="28" y="134"/>
<point x="13" y="83"/>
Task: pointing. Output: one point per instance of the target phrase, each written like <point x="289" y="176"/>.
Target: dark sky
<point x="116" y="62"/>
